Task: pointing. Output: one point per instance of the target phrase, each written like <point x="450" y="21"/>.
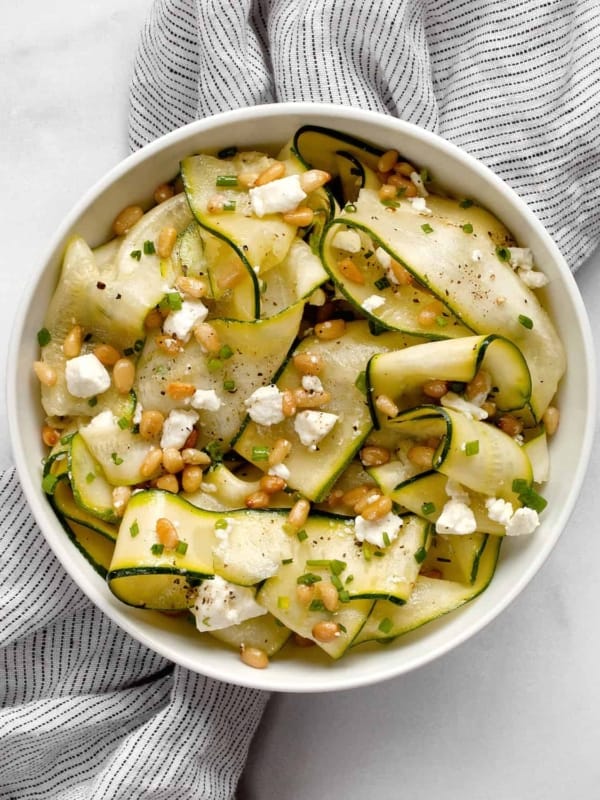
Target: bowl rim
<point x="327" y="680"/>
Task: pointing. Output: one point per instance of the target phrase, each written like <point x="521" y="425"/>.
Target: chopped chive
<point x="520" y="485"/>
<point x="229" y="386"/>
<point x="428" y="508"/>
<point x="337" y="583"/>
<point x="181" y="548"/>
<point x="318" y="562"/>
<point x="390" y="203"/>
<point x="283" y="602"/>
<point x="466" y="203"/>
<point x="302" y="535"/>
<point x="441" y="321"/>
<point x="225" y="352"/>
<point x="226" y="180"/>
<point x="285" y="561"/>
<point x="49" y="483"/>
<point x="221" y="524"/>
<point x="503" y="253"/>
<point x="229" y="205"/>
<point x="361" y="382"/>
<point x="157" y="549"/>
<point x="367" y="552"/>
<point x="382" y="283"/>
<point x="93" y="401"/>
<point x="424" y="174"/>
<point x="349" y="579"/>
<point x="467" y="228"/>
<point x="128" y="351"/>
<point x="316" y="605"/>
<point x="149" y="248"/>
<point x="134" y="529"/>
<point x="350" y="208"/>
<point x="214" y="451"/>
<point x="43" y="336"/>
<point x="472" y="448"/>
<point x="116" y="459"/>
<point x="344" y="596"/>
<point x="343" y="628"/>
<point x="123" y="423"/>
<point x="90" y="477"/>
<point x="138" y="345"/>
<point x="386" y="625"/>
<point x="308" y="579"/>
<point x="526" y="322"/>
<point x="378" y="553"/>
<point x="532" y="499"/>
<point x="260" y="453"/>
<point x="336" y="566"/>
<point x="174" y="301"/>
<point x="426" y="228"/>
<point x="66" y="439"/>
<point x="386" y="539"/>
<point x="214" y="364"/>
<point x="227" y="152"/>
<point x="137" y="254"/>
<point x="420" y="555"/>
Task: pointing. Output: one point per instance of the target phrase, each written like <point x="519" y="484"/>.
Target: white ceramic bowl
<point x="133" y="181"/>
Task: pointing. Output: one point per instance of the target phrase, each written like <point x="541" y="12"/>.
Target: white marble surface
<point x="513" y="714"/>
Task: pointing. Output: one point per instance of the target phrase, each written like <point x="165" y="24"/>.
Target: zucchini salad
<point x="301" y="399"/>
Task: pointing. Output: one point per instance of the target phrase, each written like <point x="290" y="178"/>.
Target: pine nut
<point x="154" y="319"/>
<point x="120" y="498"/>
<point x="386" y="405"/>
<point x="151" y="424"/>
<point x="151" y="463"/>
<point x="168" y="483"/>
<point x="254" y="657"/>
<point x="207" y="336"/>
<point x="247" y="179"/>
<point x="280" y="451"/>
<point x="271" y="484"/>
<point x="166" y="241"/>
<point x="428" y="315"/>
<point x="404" y="168"/>
<point x="479" y="387"/>
<point x="258" y="499"/>
<point x="490" y="408"/>
<point x="326" y="631"/>
<point x="377" y="508"/>
<point x="302" y="641"/>
<point x="510" y="424"/>
<point x="435" y="389"/>
<point x="126" y="219"/>
<point x="215" y="204"/>
<point x="178" y="390"/>
<point x="387" y="161"/>
<point x="72" y="342"/>
<point x="313" y="179"/>
<point x="166" y="532"/>
<point x="123" y="375"/>
<point x="288" y="403"/>
<point x="301" y="217"/>
<point x="331" y="329"/>
<point x="193" y="287"/>
<point x="350" y="271"/>
<point x="406" y="186"/>
<point x="168" y="345"/>
<point x="304" y="399"/>
<point x="308" y="363"/>
<point x="388" y="192"/>
<point x="107" y="354"/>
<point x="305" y="594"/>
<point x="45" y="373"/>
<point x="164" y="191"/>
<point x="421" y="455"/>
<point x="328" y="594"/>
<point x="551" y="418"/>
<point x="374" y="456"/>
<point x="298" y="513"/>
<point x="196" y="457"/>
<point x="50" y="436"/>
<point x="401" y="274"/>
<point x="335" y="498"/>
<point x="356" y="494"/>
<point x="271" y="173"/>
<point x="366" y="501"/>
<point x="172" y="460"/>
<point x="191" y="478"/>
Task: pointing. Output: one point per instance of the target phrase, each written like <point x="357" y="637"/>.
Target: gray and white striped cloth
<point x="86" y="712"/>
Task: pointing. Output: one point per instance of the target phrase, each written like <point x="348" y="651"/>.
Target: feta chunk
<point x="418" y="184"/>
<point x="277" y="196"/>
<point x="220" y="604"/>
<point x="177" y="427"/>
<point x="456" y="403"/>
<point x="105" y="422"/>
<point x="523" y="521"/>
<point x="532" y="278"/>
<point x="180" y="323"/>
<point x="384" y="259"/>
<point x="312" y="426"/>
<point x="206" y="399"/>
<point x="86" y="376"/>
<point x="457" y="518"/>
<point x="373" y="302"/>
<point x="419" y="204"/>
<point x="378" y="530"/>
<point x="348" y="241"/>
<point x="521" y="257"/>
<point x="499" y="510"/>
<point x="280" y="471"/>
<point x="265" y="405"/>
<point x="311" y="383"/>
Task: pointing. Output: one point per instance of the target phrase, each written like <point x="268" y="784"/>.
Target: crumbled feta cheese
<point x="419" y="204"/>
<point x="86" y="376"/>
<point x="222" y="537"/>
<point x="280" y="471"/>
<point x="532" y="278"/>
<point x="457" y="518"/>
<point x="137" y="414"/>
<point x="457" y="403"/>
<point x="311" y="383"/>
<point x="372" y="303"/>
<point x="281" y="196"/>
<point x="177" y="427"/>
<point x="104" y="422"/>
<point x="523" y="521"/>
<point x="499" y="510"/>
<point x="383" y="257"/>
<point x="312" y="426"/>
<point x="206" y="399"/>
<point x="220" y="604"/>
<point x="265" y="405"/>
<point x="456" y="491"/>
<point x="476" y="255"/>
<point x="348" y="241"/>
<point x="419" y="185"/>
<point x="180" y="323"/>
<point x="521" y="257"/>
<point x="378" y="530"/>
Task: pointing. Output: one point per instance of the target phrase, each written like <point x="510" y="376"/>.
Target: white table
<point x="513" y="714"/>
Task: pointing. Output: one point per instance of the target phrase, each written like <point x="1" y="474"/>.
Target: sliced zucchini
<point x="320" y="147"/>
<point x="455" y="558"/>
<point x="64" y="503"/>
<point x="264" y="632"/>
<point x="296" y="278"/>
<point x="223" y="490"/>
<point x="431" y="598"/>
<point x="189" y="253"/>
<point x="95" y="547"/>
<point x="91" y="490"/>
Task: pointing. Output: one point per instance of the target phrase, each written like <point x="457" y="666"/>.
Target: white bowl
<point x="133" y="181"/>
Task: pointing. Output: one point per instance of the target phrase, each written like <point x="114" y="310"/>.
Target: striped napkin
<point x="86" y="712"/>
